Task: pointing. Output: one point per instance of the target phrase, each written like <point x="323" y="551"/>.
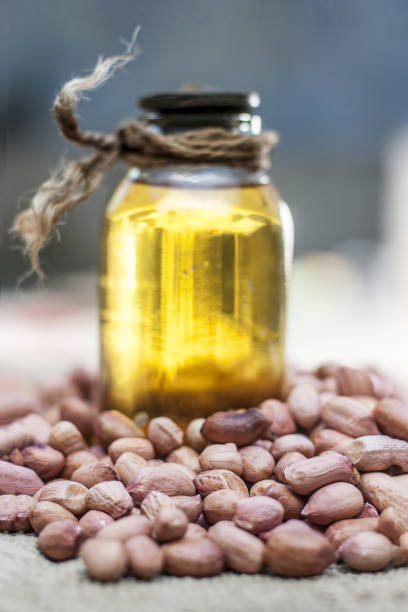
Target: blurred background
<point x="333" y="82"/>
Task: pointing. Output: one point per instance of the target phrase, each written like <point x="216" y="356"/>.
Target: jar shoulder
<point x="134" y="196"/>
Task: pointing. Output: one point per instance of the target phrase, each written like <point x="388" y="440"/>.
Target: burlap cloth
<point x="28" y="581"/>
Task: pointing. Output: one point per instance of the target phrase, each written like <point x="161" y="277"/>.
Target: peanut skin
<point x="310" y="474"/>
<point x="145" y="557"/>
<point x="340" y="531"/>
<point x="195" y="557"/>
<point x="105" y="560"/>
<point x="392" y="416"/>
<point x="295" y="549"/>
<point x="60" y="540"/>
<point x="334" y="502"/>
<point x="258" y="513"/>
<point x="367" y="551"/>
<point x="243" y="551"/>
<point x="241" y="428"/>
<point x="279" y="418"/>
<point x="17" y="480"/>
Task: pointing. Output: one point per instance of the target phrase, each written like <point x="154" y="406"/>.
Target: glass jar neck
<point x="199" y="176"/>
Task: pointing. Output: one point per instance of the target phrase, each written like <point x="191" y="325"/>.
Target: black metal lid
<point x="177" y="112"/>
<point x="200" y="103"/>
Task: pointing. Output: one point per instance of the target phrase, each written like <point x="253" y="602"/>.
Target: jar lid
<point x="200" y="102"/>
<point x="175" y="112"/>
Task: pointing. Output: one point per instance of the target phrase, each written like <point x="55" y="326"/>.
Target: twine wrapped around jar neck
<point x="134" y="144"/>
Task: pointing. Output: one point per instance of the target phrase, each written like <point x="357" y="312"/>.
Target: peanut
<point x="17" y="401"/>
<point x="392" y="524"/>
<point x="392" y="416"/>
<point x="284" y="461"/>
<point x="279" y="418"/>
<point x="195" y="557"/>
<point x="329" y="439"/>
<point x="333" y="502"/>
<point x="383" y="490"/>
<point x="83" y="382"/>
<point x="260" y="487"/>
<point x="24" y="505"/>
<point x="257" y="463"/>
<point x="77" y="459"/>
<point x="93" y="521"/>
<point x="105" y="560"/>
<point x="243" y="551"/>
<point x="125" y="528"/>
<point x="340" y="531"/>
<point x="191" y="505"/>
<point x="80" y="413"/>
<point x="154" y="502"/>
<point x="110" y="497"/>
<point x="112" y="424"/>
<point x="213" y="480"/>
<point x="353" y="381"/>
<point x="44" y="460"/>
<point x="145" y="557"/>
<point x="128" y="464"/>
<point x="45" y="512"/>
<point x="15" y="511"/>
<point x="66" y="437"/>
<point x="138" y="446"/>
<point x="241" y="428"/>
<point x="375" y="453"/>
<point x="221" y="456"/>
<point x="326" y="369"/>
<point x="310" y="474"/>
<point x="178" y="467"/>
<point x="93" y="473"/>
<point x="293" y="442"/>
<point x="292" y="503"/>
<point x="18" y="480"/>
<point x="169" y="524"/>
<point x="60" y="540"/>
<point x="194" y="437"/>
<point x="8" y="512"/>
<point x="165" y="435"/>
<point x="367" y="551"/>
<point x="294" y="378"/>
<point x="170" y="481"/>
<point x="220" y="505"/>
<point x="185" y="456"/>
<point x="259" y="513"/>
<point x="14" y="435"/>
<point x="349" y="416"/>
<point x="304" y="405"/>
<point x="295" y="549"/>
<point x="69" y="495"/>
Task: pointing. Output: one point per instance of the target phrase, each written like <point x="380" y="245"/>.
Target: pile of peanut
<point x="317" y="476"/>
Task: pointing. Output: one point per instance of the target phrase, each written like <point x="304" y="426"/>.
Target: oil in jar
<point x="192" y="300"/>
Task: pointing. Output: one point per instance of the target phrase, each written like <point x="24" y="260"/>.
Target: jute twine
<point x="133" y="143"/>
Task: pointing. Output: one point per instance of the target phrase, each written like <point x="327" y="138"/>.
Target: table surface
<point x="29" y="581"/>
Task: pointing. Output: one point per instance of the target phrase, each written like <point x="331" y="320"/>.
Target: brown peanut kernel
<point x="241" y="428"/>
<point x="165" y="435"/>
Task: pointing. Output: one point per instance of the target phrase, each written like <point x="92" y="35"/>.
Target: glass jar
<point x="195" y="263"/>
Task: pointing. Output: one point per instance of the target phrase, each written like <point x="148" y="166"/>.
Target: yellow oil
<point x="192" y="299"/>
